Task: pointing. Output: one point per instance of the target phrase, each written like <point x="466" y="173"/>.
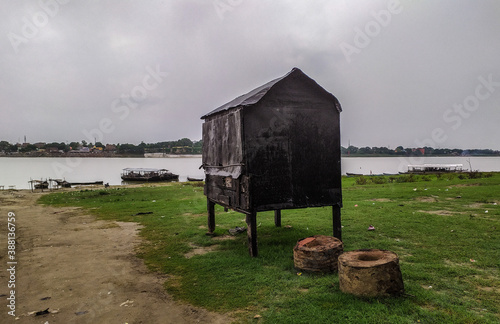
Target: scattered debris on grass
<point x="237" y="230"/>
<point x="42" y="312"/>
<point x="127" y="303"/>
<point x="81" y="313"/>
<point x="143" y="213"/>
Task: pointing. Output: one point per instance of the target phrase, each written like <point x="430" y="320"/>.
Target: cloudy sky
<point x="411" y="73"/>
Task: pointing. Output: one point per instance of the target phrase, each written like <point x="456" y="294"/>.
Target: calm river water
<point x="18" y="171"/>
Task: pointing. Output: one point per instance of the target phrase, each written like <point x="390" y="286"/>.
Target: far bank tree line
<point x="422" y="151"/>
<point x="181" y="146"/>
<point x="187" y="146"/>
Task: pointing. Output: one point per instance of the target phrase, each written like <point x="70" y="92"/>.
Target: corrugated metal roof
<point x="256" y="94"/>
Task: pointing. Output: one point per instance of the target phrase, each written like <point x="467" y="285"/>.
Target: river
<point x="17" y="172"/>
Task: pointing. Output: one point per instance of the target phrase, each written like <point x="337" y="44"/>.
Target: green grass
<point x="449" y="249"/>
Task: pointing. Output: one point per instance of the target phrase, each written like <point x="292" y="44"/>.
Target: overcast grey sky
<point x="411" y="73"/>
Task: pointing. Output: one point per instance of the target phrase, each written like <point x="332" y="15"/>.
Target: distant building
<point x="81" y="150"/>
<point x="155" y="155"/>
<point x="110" y="148"/>
<point x="181" y="150"/>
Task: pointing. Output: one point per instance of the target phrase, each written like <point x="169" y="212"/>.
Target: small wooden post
<point x="277" y="217"/>
<point x="337" y="227"/>
<point x="251" y="220"/>
<point x="211" y="216"/>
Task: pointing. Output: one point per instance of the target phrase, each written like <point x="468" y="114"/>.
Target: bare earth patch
<point x="450" y="263"/>
<point x="224" y="238"/>
<point x="381" y="199"/>
<point x="83" y="270"/>
<point x="426" y="199"/>
<point x="489" y="289"/>
<point x="200" y="250"/>
<point x="475" y="205"/>
<point x="441" y="212"/>
<point x="464" y="185"/>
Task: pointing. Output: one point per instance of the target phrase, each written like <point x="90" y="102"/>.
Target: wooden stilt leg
<point x="211" y="216"/>
<point x="277" y="217"/>
<point x="337" y="227"/>
<point x="251" y="220"/>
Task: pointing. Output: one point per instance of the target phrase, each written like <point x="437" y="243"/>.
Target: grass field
<point x="446" y="231"/>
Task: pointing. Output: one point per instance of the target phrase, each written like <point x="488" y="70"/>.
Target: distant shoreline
<point x="91" y="155"/>
<point x="415" y="156"/>
<point x="101" y="155"/>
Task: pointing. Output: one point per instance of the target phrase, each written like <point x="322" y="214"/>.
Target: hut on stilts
<point x="276" y="147"/>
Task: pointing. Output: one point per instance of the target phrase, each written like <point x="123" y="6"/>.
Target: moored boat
<point x="435" y="168"/>
<point x="41" y="185"/>
<point x="147" y="174"/>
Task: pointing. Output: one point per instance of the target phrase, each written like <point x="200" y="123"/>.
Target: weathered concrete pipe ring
<point x="370" y="273"/>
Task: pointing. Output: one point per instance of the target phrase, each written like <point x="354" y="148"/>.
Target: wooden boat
<point x="37" y="184"/>
<point x="85" y="183"/>
<point x="435" y="168"/>
<point x="41" y="184"/>
<point x="147" y="174"/>
<point x="62" y="183"/>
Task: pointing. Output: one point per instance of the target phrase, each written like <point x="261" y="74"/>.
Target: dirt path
<point x="81" y="269"/>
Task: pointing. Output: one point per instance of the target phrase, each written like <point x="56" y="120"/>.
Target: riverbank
<point x="445" y="231"/>
<point x="81" y="270"/>
<point x="96" y="155"/>
<point x="108" y="170"/>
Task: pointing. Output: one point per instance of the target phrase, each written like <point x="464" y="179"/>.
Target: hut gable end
<point x="288" y="82"/>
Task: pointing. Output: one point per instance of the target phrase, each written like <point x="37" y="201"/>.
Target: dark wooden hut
<point x="276" y="147"/>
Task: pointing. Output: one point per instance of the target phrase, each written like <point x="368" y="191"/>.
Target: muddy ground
<point x="82" y="270"/>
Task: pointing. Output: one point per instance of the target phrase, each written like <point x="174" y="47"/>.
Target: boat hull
<point x="151" y="179"/>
